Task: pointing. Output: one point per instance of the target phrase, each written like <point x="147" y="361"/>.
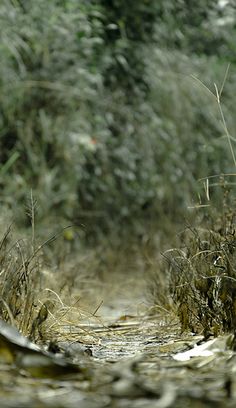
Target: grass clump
<point x="19" y="281"/>
<point x="22" y="264"/>
<point x="201" y="276"/>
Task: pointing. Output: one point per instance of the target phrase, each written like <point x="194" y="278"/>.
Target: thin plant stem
<point x="217" y="97"/>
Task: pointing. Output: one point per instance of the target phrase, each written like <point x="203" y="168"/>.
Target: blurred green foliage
<point x="99" y="114"/>
<point x="199" y="26"/>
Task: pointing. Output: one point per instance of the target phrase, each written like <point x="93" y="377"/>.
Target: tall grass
<point x="201" y="275"/>
<point x="94" y="153"/>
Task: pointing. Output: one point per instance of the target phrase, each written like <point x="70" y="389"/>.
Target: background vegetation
<point x="99" y="113"/>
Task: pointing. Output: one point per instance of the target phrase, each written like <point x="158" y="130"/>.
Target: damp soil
<point x="123" y="355"/>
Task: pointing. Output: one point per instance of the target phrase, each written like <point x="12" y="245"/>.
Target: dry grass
<point x="200" y="275"/>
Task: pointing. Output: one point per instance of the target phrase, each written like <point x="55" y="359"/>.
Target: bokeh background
<point x="100" y="113"/>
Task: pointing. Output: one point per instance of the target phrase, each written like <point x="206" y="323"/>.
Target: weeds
<point x="201" y="277"/>
<point x="19" y="281"/>
<point x="201" y="274"/>
<point x="21" y="275"/>
<point x="99" y="127"/>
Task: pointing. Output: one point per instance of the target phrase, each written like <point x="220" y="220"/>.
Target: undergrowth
<point x="19" y="281"/>
<point x="200" y="277"/>
<point x="100" y="114"/>
<point x="25" y="298"/>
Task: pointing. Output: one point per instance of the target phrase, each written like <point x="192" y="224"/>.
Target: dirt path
<point x="126" y="359"/>
<point x="132" y="354"/>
